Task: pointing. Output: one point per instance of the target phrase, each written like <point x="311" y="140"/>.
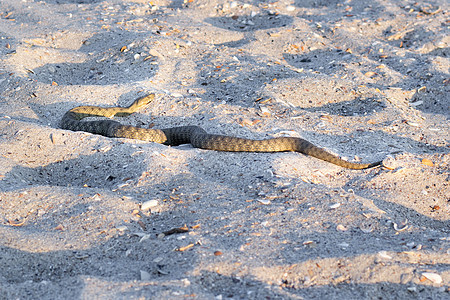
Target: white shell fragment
<point x="417" y="103"/>
<point x="144" y="237"/>
<point x="122" y="228"/>
<point x="264" y="201"/>
<point x="265" y="111"/>
<point x="404" y="226"/>
<point x="433" y="277"/>
<point x="343" y="245"/>
<point x="149" y="204"/>
<point x="177" y="95"/>
<point x="336" y="205"/>
<point x="414" y="124"/>
<point x="290" y="8"/>
<point x="383" y="254"/>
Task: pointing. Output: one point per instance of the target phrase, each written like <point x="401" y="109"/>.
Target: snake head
<point x="141" y="102"/>
<point x="145" y="100"/>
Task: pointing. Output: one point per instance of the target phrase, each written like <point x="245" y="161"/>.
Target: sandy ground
<point x="82" y="216"/>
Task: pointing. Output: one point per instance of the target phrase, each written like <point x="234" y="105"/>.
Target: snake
<point x="194" y="135"/>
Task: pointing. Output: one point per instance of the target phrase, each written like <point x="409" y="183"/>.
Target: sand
<point x="90" y="217"/>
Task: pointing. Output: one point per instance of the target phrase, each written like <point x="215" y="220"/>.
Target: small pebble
<point x="145" y="276"/>
<point x="149" y="204"/>
<point x="186" y="282"/>
<point x="290" y="8"/>
<point x="341" y="227"/>
<point x="403" y="226"/>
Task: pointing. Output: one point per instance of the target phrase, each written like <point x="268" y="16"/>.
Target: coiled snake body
<point x="194" y="135"/>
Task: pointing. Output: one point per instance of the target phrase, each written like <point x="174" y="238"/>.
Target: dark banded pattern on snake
<point x="194" y="135"/>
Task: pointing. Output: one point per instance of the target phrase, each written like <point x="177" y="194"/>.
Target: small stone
<point x="341" y="227"/>
<point x="186" y="282"/>
<point x="145" y="276"/>
<point x="290" y="8"/>
<point x="149" y="204"/>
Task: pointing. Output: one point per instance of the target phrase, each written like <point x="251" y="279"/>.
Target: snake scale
<point x="194" y="135"/>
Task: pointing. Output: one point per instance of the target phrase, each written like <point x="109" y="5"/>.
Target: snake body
<point x="194" y="135"/>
